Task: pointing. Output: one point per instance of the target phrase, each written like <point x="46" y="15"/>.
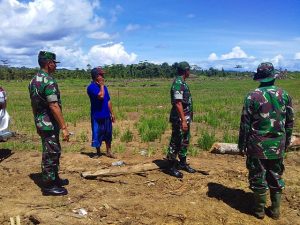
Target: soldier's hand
<point x="66" y="134"/>
<point x="184" y="126"/>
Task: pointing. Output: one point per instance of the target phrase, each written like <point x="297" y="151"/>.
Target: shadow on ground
<point x="37" y="178"/>
<point x="235" y="198"/>
<point x="163" y="165"/>
<point x="5" y="153"/>
<point x="92" y="154"/>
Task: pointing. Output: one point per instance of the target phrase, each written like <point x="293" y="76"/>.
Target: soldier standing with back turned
<point x="265" y="133"/>
<point x="48" y="118"/>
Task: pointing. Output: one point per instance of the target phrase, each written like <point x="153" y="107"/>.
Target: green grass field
<point x="217" y="105"/>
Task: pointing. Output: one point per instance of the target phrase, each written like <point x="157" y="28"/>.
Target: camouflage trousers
<point x="51" y="155"/>
<point x="179" y="141"/>
<point x="265" y="173"/>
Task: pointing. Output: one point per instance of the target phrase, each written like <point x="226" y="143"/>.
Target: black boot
<point x="51" y="188"/>
<point x="173" y="170"/>
<point x="60" y="182"/>
<point x="184" y="166"/>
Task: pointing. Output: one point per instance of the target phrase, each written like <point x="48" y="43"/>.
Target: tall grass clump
<point x="120" y="148"/>
<point x="116" y="132"/>
<point x="192" y="151"/>
<point x="229" y="138"/>
<point x="206" y="140"/>
<point x="127" y="136"/>
<point x="151" y="128"/>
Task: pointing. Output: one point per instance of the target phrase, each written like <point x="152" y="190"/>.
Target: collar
<point x="43" y="73"/>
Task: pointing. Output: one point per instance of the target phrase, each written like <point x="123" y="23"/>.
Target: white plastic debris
<point x="118" y="163"/>
<point x="80" y="212"/>
<point x="143" y="152"/>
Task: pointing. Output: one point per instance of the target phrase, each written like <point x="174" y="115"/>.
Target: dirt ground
<point x="217" y="194"/>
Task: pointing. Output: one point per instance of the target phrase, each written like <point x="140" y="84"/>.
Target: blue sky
<point x="207" y="33"/>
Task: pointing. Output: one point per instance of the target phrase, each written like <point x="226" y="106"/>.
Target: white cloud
<point x="55" y="25"/>
<point x="236" y="53"/>
<point x="132" y="27"/>
<point x="277" y="60"/>
<point x="99" y="35"/>
<point x="44" y="20"/>
<point x="213" y="56"/>
<point x="110" y="54"/>
<point x="297" y="55"/>
<point x="115" y="12"/>
<point x="229" y="61"/>
<point x="69" y="57"/>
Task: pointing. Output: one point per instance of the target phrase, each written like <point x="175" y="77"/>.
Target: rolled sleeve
<point x="52" y="98"/>
<point x="178" y="95"/>
<point x="51" y="91"/>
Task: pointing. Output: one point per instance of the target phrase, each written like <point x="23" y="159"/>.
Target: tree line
<point x="139" y="70"/>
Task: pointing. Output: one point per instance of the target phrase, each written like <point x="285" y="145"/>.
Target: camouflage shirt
<point x="266" y="123"/>
<point x="181" y="91"/>
<point x="43" y="89"/>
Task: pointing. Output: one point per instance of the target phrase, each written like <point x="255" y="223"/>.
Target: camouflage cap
<point x="48" y="56"/>
<point x="183" y="66"/>
<point x="265" y="72"/>
<point x="97" y="71"/>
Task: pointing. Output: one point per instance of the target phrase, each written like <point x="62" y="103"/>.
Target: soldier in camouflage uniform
<point x="181" y="117"/>
<point x="265" y="133"/>
<point x="48" y="118"/>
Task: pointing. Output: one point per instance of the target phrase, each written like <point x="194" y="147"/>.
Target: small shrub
<point x="120" y="115"/>
<point x="119" y="149"/>
<point x="165" y="149"/>
<point x="193" y="151"/>
<point x="116" y="132"/>
<point x="151" y="128"/>
<point x="229" y="138"/>
<point x="211" y="119"/>
<point x="127" y="136"/>
<point x="84" y="136"/>
<point x="151" y="151"/>
<point x="206" y="140"/>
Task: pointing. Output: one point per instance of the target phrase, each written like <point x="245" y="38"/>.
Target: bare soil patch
<point x="221" y="197"/>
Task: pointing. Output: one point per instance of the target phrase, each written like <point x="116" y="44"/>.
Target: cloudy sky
<point x="217" y="33"/>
